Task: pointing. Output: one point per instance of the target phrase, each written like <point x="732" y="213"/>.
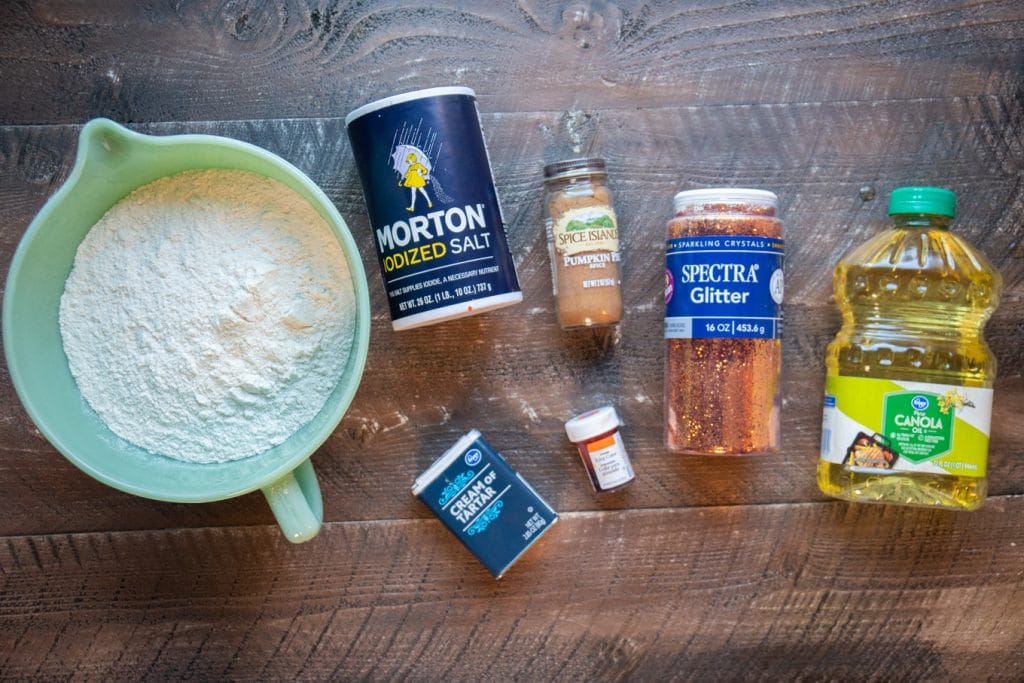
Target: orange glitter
<point x="722" y="395"/>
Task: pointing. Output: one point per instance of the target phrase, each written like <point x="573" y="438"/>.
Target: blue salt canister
<point x="437" y="224"/>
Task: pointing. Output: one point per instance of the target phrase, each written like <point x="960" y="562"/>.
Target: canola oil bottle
<point x="908" y="395"/>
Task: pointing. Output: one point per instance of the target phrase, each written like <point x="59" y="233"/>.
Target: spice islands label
<point x="591" y="228"/>
<point x="723" y="286"/>
<point x="872" y="424"/>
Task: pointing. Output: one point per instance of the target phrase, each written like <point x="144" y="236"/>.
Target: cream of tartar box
<point x="487" y="505"/>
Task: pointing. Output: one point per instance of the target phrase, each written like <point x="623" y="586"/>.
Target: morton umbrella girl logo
<point x="414" y="168"/>
<point x="411" y="160"/>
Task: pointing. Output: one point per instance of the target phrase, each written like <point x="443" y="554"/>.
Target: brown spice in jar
<point x="722" y="395"/>
<point x="585" y="281"/>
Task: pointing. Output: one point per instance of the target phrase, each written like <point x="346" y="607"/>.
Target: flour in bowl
<point x="208" y="315"/>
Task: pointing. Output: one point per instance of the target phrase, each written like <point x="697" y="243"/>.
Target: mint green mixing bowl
<point x="112" y="161"/>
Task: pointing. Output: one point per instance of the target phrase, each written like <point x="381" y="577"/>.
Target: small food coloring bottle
<point x="596" y="435"/>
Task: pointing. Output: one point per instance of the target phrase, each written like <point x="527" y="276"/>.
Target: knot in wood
<point x="246" y="21"/>
<point x="591" y="23"/>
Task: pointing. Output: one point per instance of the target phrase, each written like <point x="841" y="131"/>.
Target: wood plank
<point x="733" y="593"/>
<point x="704" y="569"/>
<point x="64" y="61"/>
<point x="975" y="146"/>
<point x="519" y="387"/>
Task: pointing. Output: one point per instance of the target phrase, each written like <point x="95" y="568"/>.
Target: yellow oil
<point x="914" y="301"/>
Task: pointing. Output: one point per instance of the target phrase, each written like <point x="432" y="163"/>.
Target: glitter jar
<point x="596" y="435"/>
<point x="583" y="243"/>
<point x="723" y="322"/>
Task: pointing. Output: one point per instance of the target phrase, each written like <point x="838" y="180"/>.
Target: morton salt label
<point x="437" y="225"/>
<point x="723" y="286"/>
<point x="484" y="502"/>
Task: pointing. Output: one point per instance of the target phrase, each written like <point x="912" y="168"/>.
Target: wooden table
<point x="704" y="568"/>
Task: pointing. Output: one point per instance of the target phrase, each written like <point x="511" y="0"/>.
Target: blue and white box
<point x="484" y="502"/>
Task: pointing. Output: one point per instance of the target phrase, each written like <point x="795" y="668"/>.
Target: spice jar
<point x="596" y="435"/>
<point x="723" y="322"/>
<point x="583" y="242"/>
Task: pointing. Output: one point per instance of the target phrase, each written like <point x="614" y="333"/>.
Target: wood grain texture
<point x="64" y="60"/>
<point x="767" y="593"/>
<point x="521" y="377"/>
<point x="704" y="569"/>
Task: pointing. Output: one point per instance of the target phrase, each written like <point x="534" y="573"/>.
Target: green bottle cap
<point x="937" y="201"/>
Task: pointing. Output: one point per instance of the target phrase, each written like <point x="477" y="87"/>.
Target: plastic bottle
<point x="596" y="435"/>
<point x="723" y="322"/>
<point x="908" y="396"/>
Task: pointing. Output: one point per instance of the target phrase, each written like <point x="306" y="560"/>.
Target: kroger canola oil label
<point x="879" y="424"/>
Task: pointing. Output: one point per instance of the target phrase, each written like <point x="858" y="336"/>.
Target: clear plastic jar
<point x="723" y="322"/>
<point x="909" y="377"/>
<point x="583" y="243"/>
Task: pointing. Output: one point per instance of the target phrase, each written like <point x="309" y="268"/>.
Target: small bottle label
<point x="871" y="424"/>
<point x="589" y="228"/>
<point x="610" y="462"/>
<point x="723" y="286"/>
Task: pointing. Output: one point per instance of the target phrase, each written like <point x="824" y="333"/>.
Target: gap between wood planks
<point x="4" y="127"/>
<point x="990" y="501"/>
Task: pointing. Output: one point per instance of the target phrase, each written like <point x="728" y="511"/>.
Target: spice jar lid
<point x="724" y="195"/>
<point x="592" y="423"/>
<point x="570" y="167"/>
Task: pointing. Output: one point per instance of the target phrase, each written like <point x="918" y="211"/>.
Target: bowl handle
<point x="296" y="503"/>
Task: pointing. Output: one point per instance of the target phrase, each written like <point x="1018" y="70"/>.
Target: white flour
<point x="208" y="315"/>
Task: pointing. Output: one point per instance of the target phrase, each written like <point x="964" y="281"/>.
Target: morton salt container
<point x="437" y="224"/>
